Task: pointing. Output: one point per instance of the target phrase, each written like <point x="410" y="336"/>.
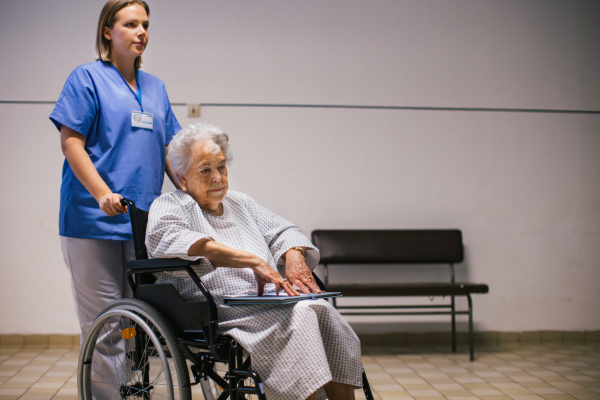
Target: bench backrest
<point x="399" y="246"/>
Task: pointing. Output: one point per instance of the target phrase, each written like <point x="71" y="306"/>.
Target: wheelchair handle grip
<point x="126" y="202"/>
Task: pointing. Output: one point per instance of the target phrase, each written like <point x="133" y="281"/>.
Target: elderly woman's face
<point x="206" y="180"/>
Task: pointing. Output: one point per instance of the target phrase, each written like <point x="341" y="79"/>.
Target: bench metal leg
<point x="471" y="338"/>
<point x="453" y="326"/>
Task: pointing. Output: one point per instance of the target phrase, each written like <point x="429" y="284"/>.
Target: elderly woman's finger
<point x="289" y="289"/>
<point x="301" y="286"/>
<point x="312" y="285"/>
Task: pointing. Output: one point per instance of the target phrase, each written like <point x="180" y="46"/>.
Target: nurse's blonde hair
<point x="108" y="17"/>
<point x="180" y="149"/>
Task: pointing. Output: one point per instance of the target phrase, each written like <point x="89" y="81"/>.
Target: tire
<point x="211" y="390"/>
<point x="130" y="332"/>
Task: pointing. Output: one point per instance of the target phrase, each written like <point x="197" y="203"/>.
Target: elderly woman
<point x="303" y="350"/>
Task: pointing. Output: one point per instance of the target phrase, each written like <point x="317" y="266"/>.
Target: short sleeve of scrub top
<point x="97" y="103"/>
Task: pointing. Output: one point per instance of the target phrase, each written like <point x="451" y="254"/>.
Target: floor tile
<point x="424" y="393"/>
<point x="507" y="385"/>
<point x="16" y="385"/>
<point x="29" y="397"/>
<point x="486" y="392"/>
<point x="517" y="392"/>
<point x="393" y="395"/>
<point x="462" y="398"/>
<point x="40" y="392"/>
<point x="11" y="392"/>
<point x="587" y="396"/>
<point x="69" y="391"/>
<point x="477" y="386"/>
<point x="413" y="386"/>
<point x="387" y="388"/>
<point x="557" y="397"/>
<point x="455" y="393"/>
<point x="448" y="386"/>
<point x="526" y="397"/>
<point x="547" y="391"/>
<point x="411" y="381"/>
<point x="23" y="379"/>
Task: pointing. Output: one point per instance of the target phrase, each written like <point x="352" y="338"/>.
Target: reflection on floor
<point x="546" y="372"/>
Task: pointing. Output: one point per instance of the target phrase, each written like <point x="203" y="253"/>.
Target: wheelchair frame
<point x="168" y="320"/>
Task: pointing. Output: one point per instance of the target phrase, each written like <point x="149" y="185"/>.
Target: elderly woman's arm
<point x="220" y="255"/>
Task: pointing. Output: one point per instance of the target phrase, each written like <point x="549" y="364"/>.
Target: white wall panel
<point x="468" y="53"/>
<point x="523" y="187"/>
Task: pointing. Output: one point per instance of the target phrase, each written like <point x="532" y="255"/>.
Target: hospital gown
<point x="295" y="348"/>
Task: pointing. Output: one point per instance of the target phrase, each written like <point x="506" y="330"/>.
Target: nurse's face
<point x="129" y="35"/>
<point x="206" y="181"/>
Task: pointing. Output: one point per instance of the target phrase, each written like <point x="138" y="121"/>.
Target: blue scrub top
<point x="97" y="103"/>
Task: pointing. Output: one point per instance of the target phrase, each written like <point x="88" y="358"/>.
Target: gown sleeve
<point x="170" y="231"/>
<point x="281" y="235"/>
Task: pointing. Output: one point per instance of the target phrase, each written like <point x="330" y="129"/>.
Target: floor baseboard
<point x="490" y="338"/>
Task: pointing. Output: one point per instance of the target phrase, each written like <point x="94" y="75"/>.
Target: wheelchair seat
<point x="150" y="345"/>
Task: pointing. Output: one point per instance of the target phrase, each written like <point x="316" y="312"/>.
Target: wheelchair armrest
<point x="157" y="264"/>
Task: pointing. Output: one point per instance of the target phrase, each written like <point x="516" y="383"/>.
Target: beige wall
<point x="523" y="187"/>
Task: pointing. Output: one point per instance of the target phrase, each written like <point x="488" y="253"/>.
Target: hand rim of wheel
<point x="83" y="355"/>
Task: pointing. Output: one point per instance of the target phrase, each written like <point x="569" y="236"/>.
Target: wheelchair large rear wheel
<point x="130" y="352"/>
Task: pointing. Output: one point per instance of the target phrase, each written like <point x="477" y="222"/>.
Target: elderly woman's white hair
<point x="180" y="148"/>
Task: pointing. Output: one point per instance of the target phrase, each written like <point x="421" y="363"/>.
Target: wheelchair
<point x="151" y="345"/>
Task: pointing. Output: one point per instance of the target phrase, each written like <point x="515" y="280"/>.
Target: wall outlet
<point x="194" y="110"/>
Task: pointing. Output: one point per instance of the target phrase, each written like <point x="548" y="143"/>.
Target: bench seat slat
<point x="408" y="289"/>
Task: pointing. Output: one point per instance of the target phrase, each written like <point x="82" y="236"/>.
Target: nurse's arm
<point x="169" y="169"/>
<point x="73" y="147"/>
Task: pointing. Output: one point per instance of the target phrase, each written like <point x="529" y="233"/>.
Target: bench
<point x="426" y="246"/>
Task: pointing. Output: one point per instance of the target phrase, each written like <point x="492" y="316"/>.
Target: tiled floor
<point x="557" y="372"/>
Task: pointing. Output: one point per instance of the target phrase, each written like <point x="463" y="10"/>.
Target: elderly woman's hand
<point x="298" y="273"/>
<point x="265" y="274"/>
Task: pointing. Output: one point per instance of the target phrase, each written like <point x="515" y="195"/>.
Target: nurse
<point x="115" y="124"/>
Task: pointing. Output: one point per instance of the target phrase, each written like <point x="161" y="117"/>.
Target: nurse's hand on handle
<point x="110" y="203"/>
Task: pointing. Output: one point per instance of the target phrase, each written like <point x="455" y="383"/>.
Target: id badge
<point x="141" y="120"/>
